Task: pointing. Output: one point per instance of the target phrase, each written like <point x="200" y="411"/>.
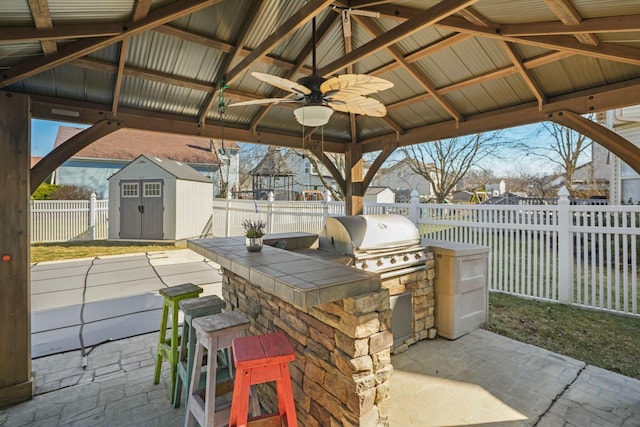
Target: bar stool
<point x="260" y="359"/>
<point x="192" y="309"/>
<point x="168" y="347"/>
<point x="214" y="333"/>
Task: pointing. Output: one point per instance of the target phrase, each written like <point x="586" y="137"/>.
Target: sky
<point x="43" y="135"/>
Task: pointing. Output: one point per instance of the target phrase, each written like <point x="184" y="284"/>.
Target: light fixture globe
<point x="313" y="115"/>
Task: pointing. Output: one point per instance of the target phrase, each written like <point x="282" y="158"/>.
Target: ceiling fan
<point x="321" y="97"/>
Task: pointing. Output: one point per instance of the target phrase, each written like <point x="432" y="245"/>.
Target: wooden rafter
<point x="42" y="19"/>
<point x="297" y="20"/>
<point x="612" y="52"/>
<point x="140" y="10"/>
<point x="252" y="15"/>
<point x="609" y="24"/>
<point x="568" y="14"/>
<point x="78" y="49"/>
<point x="60" y="32"/>
<point x="524" y="73"/>
<point x="421" y="20"/>
<point x="414" y="72"/>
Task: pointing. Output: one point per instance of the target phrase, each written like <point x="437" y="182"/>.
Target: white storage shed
<point x="379" y="195"/>
<point x="159" y="199"/>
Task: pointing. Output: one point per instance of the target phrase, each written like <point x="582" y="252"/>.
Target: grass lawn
<point x="85" y="249"/>
<point x="605" y="340"/>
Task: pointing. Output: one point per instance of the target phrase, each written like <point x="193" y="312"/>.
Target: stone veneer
<point x="343" y="348"/>
<point x="420" y="283"/>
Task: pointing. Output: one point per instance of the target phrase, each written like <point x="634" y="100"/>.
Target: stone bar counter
<point x="337" y="318"/>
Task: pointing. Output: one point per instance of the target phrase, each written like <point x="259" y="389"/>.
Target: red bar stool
<point x="260" y="359"/>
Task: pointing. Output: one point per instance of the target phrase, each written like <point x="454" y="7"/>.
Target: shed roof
<point x="177" y="169"/>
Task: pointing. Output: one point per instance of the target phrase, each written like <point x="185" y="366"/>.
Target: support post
<point x="354" y="197"/>
<point x="16" y="378"/>
<point x="565" y="248"/>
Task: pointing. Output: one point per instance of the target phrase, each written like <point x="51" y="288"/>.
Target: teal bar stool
<point x="192" y="309"/>
<point x="168" y="346"/>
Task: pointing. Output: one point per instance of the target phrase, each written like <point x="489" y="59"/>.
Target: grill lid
<point x="351" y="234"/>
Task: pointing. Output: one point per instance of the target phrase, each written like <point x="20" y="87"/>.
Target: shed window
<point x="130" y="189"/>
<point x="152" y="189"/>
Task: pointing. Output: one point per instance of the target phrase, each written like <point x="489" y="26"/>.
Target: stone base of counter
<point x="343" y="353"/>
<point x="420" y="284"/>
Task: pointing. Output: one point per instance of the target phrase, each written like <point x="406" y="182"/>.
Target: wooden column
<point x="16" y="379"/>
<point x="354" y="197"/>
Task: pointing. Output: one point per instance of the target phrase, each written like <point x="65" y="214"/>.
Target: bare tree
<point x="445" y="162"/>
<point x="565" y="148"/>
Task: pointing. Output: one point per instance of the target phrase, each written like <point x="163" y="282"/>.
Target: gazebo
<point x="458" y="67"/>
<point x="272" y="174"/>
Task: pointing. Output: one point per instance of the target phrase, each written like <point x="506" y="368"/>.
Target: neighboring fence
<point x="577" y="254"/>
<point x="64" y="220"/>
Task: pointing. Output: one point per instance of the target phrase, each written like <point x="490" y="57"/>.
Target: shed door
<point x="141" y="209"/>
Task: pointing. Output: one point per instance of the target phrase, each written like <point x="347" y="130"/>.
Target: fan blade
<point x="262" y="101"/>
<point x="360" y="105"/>
<point x="282" y="83"/>
<point x="350" y="85"/>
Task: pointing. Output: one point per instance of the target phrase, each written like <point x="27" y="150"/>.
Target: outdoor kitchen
<point x="347" y="299"/>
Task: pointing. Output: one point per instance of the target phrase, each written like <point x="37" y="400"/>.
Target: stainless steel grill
<point x="385" y="244"/>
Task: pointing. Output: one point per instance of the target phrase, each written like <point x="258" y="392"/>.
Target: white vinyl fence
<point x="64" y="220"/>
<point x="575" y="254"/>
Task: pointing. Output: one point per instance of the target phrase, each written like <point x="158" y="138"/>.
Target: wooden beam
<point x="159" y="16"/>
<point x="377" y="163"/>
<point x="63" y="152"/>
<point x="413" y="71"/>
<point x="60" y="32"/>
<point x="42" y="19"/>
<point x="328" y="163"/>
<point x="612" y="52"/>
<point x="297" y="20"/>
<point x="421" y="20"/>
<point x="16" y="378"/>
<point x="524" y="73"/>
<point x="568" y="14"/>
<point x="604" y="98"/>
<point x="618" y="145"/>
<point x="255" y="10"/>
<point x="608" y="24"/>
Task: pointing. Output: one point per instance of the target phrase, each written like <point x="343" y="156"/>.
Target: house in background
<point x="93" y="165"/>
<point x="624" y="182"/>
<point x="402" y="180"/>
<point x="379" y="195"/>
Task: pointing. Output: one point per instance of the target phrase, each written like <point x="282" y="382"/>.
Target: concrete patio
<point x="479" y="379"/>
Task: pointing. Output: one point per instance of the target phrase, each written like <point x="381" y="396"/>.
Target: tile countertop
<point x="297" y="278"/>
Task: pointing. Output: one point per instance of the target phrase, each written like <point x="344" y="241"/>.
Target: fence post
<point x="565" y="250"/>
<point x="270" y="198"/>
<point x="325" y="206"/>
<point x="414" y="209"/>
<point x="227" y="223"/>
<point x="92" y="217"/>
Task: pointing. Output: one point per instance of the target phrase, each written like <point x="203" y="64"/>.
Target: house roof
<point x="35" y="159"/>
<point x="177" y="169"/>
<point x="128" y="144"/>
<point x="458" y="66"/>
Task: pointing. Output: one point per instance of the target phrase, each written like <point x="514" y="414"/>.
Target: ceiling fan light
<point x="313" y="115"/>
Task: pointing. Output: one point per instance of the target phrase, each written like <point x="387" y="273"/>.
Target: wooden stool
<point x="260" y="359"/>
<point x="168" y="347"/>
<point x="192" y="309"/>
<point x="214" y="333"/>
